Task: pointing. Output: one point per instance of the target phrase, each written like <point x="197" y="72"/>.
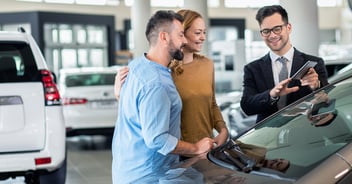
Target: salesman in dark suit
<point x="267" y="86"/>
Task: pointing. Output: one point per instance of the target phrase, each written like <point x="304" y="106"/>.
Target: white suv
<point x="32" y="129"/>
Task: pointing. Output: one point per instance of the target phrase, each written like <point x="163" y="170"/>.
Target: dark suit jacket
<point x="258" y="81"/>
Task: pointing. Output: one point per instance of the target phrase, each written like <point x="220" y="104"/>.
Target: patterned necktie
<point x="282" y="76"/>
<point x="283" y="72"/>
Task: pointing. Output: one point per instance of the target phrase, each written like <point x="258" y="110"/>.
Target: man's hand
<point x="119" y="80"/>
<point x="281" y="89"/>
<point x="204" y="145"/>
<point x="189" y="149"/>
<point x="311" y="79"/>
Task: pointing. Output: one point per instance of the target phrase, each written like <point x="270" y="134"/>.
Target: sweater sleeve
<point x="218" y="121"/>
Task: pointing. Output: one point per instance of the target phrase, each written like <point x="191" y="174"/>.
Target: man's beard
<point x="178" y="55"/>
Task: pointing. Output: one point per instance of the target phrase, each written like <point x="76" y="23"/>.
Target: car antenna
<point x="21" y="29"/>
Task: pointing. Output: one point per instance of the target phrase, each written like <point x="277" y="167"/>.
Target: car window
<point x="96" y="79"/>
<point x="320" y="125"/>
<point x="17" y="63"/>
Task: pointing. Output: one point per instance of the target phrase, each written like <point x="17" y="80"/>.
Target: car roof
<point x="88" y="70"/>
<point x="13" y="36"/>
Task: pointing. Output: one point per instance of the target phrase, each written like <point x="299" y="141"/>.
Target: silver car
<point x="309" y="141"/>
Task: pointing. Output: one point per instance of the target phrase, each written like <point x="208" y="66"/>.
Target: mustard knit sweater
<point x="200" y="113"/>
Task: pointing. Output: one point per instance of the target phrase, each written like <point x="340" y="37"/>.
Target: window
<point x="97" y="79"/>
<point x="248" y="3"/>
<point x="81" y="2"/>
<point x="329" y="3"/>
<point x="75" y="45"/>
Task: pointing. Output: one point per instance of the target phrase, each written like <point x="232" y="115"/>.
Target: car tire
<point x="57" y="176"/>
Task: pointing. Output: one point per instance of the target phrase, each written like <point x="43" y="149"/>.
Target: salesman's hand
<point x="311" y="79"/>
<point x="281" y="89"/>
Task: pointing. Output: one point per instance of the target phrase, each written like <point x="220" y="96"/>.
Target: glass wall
<point x="71" y="46"/>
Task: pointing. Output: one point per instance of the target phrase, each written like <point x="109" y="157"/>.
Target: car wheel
<point x="31" y="178"/>
<point x="57" y="176"/>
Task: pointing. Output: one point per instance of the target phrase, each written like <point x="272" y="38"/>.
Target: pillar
<point x="140" y="14"/>
<point x="303" y="15"/>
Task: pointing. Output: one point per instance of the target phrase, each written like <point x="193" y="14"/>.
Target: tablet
<point x="303" y="70"/>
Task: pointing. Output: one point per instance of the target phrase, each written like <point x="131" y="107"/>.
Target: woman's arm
<point x="119" y="80"/>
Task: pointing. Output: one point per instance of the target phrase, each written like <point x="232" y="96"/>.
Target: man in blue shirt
<point x="146" y="140"/>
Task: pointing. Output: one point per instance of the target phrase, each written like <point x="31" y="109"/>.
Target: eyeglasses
<point x="276" y="30"/>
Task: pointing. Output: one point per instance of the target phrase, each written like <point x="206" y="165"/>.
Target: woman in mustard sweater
<point x="194" y="79"/>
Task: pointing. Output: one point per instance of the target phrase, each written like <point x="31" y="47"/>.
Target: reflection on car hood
<point x="200" y="170"/>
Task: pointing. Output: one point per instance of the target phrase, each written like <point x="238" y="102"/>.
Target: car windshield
<point x="96" y="79"/>
<point x="305" y="133"/>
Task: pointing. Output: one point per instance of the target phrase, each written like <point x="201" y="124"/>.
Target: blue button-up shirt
<point x="148" y="124"/>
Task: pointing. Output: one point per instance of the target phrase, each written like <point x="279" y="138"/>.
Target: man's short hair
<point x="267" y="11"/>
<point x="161" y="21"/>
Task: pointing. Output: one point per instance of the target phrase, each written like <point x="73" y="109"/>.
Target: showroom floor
<point x="89" y="160"/>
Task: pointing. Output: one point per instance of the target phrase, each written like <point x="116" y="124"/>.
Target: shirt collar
<point x="157" y="65"/>
<point x="288" y="55"/>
